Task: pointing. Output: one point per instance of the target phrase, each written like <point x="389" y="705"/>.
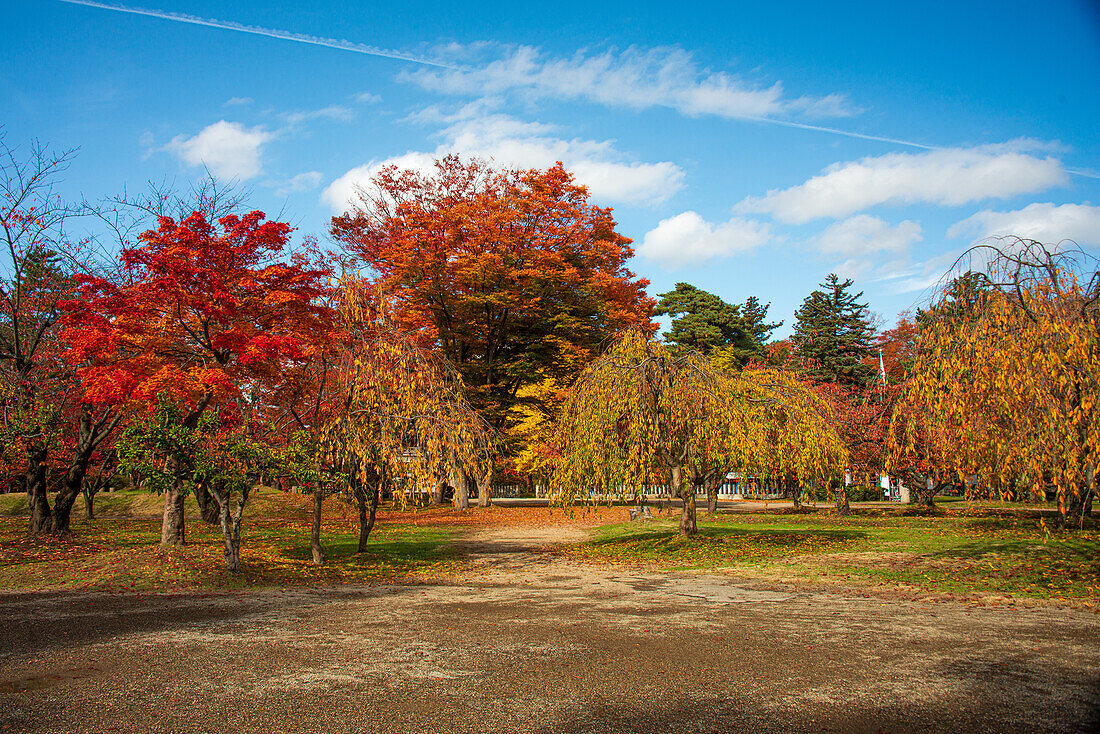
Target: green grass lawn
<point x="991" y="553"/>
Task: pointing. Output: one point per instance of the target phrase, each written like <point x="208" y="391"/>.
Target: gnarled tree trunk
<point x="208" y="505"/>
<point x="485" y="489"/>
<point x="927" y="496"/>
<point x="173" y="527"/>
<point x="70" y="490"/>
<point x="41" y="520"/>
<point x="713" y="482"/>
<point x="684" y="488"/>
<point x="367" y="512"/>
<point x="231" y="526"/>
<point x="437" y="491"/>
<point x="794" y="490"/>
<point x="89" y="499"/>
<point x="90" y="434"/>
<point x="91" y="489"/>
<point x="843" y="506"/>
<point x="462" y="491"/>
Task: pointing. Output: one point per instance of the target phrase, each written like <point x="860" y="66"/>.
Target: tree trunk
<point x="366" y="517"/>
<point x="90" y="434"/>
<point x="713" y="482"/>
<point x="231" y="528"/>
<point x="687" y="513"/>
<point x="208" y="506"/>
<point x="41" y="520"/>
<point x="173" y="527"/>
<point x="928" y="496"/>
<point x="462" y="492"/>
<point x="843" y="508"/>
<point x="70" y="490"/>
<point x="89" y="501"/>
<point x="437" y="492"/>
<point x="485" y="489"/>
<point x="1076" y="503"/>
<point x="91" y="489"/>
<point x="315" y="528"/>
<point x="794" y="489"/>
<point x="685" y="490"/>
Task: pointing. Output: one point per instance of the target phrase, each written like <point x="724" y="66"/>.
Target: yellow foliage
<point x="1009" y="374"/>
<point x="641" y="412"/>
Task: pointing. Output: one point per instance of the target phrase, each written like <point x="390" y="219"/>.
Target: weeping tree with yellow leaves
<point x="399" y="420"/>
<point x="642" y="411"/>
<point x="1009" y="375"/>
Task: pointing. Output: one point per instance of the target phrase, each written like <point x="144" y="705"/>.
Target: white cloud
<point x="238" y="101"/>
<point x="1047" y="223"/>
<point x="635" y="78"/>
<point x="925" y="276"/>
<point x="300" y="182"/>
<point x="344" y="191"/>
<point x="863" y="235"/>
<point x="367" y="98"/>
<point x="228" y="149"/>
<point x="332" y="112"/>
<point x="473" y="131"/>
<point x="688" y="239"/>
<point x="949" y="177"/>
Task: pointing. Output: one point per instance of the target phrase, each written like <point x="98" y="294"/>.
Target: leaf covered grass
<point x="262" y="503"/>
<point x="125" y="555"/>
<point x="991" y="553"/>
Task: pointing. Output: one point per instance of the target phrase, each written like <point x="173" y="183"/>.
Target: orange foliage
<point x="513" y="274"/>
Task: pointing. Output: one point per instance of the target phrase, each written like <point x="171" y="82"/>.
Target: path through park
<point x="531" y="641"/>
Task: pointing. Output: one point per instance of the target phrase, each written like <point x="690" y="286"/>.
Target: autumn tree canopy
<point x="45" y="424"/>
<point x="1007" y="375"/>
<point x="204" y="313"/>
<point x="514" y="275"/>
<point x="641" y="412"/>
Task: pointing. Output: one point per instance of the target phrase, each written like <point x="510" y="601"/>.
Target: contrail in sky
<point x="361" y="48"/>
<point x="881" y="139"/>
<point x="838" y="131"/>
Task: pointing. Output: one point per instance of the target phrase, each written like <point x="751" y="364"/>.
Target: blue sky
<point x="749" y="149"/>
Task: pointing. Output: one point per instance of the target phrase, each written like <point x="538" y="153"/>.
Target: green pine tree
<point x="704" y="322"/>
<point x="754" y="315"/>
<point x="833" y="332"/>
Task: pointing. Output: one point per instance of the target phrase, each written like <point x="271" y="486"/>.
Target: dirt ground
<point x="531" y="642"/>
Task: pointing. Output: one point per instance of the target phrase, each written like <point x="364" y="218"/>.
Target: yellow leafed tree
<point x="1009" y="373"/>
<point x="641" y="412"/>
<point x="400" y="418"/>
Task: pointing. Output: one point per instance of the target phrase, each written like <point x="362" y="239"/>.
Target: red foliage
<point x="203" y="310"/>
<point x="899" y="348"/>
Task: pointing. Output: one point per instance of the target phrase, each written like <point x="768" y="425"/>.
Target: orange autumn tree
<point x="1007" y="382"/>
<point x="513" y="275"/>
<point x="206" y="313"/>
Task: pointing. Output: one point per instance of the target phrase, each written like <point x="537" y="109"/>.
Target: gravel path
<point x="529" y="642"/>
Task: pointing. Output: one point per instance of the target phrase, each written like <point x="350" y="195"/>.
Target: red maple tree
<point x="204" y="313"/>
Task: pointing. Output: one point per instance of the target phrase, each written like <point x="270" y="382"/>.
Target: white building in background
<point x="893" y="489"/>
